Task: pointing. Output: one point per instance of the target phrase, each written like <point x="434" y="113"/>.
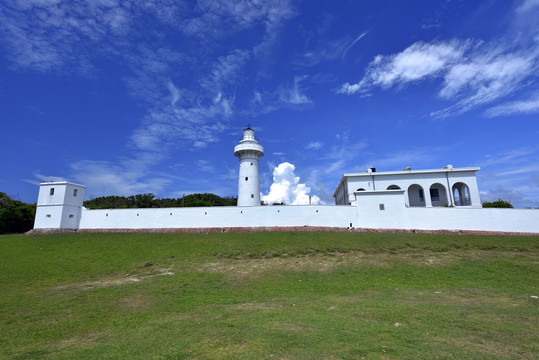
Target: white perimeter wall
<point x="367" y="215"/>
<point x="225" y="216"/>
<point x="441" y="218"/>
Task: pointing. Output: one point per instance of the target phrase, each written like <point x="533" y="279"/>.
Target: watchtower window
<point x="75" y="191"/>
<point x="51" y="192"/>
<point x="252" y="196"/>
<point x="246" y="178"/>
<point x="251" y="164"/>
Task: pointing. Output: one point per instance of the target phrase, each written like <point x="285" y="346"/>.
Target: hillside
<point x="268" y="296"/>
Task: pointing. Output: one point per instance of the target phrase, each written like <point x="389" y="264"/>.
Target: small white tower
<point x="249" y="151"/>
<point x="59" y="205"/>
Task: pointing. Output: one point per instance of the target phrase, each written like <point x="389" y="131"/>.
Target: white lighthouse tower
<point x="249" y="151"/>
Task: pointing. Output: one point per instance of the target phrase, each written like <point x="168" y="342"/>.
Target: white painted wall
<point x="441" y="218"/>
<point x="366" y="214"/>
<point x="225" y="216"/>
<point x="424" y="178"/>
<point x="62" y="209"/>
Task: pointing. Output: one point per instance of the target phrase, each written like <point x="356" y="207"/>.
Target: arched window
<point x="461" y="194"/>
<point x="416" y="196"/>
<point x="438" y="195"/>
<point x="360" y="189"/>
<point x="393" y="187"/>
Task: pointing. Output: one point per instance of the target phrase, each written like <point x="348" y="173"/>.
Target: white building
<point x="422" y="188"/>
<point x="249" y="151"/>
<point x="440" y="199"/>
<point x="59" y="205"/>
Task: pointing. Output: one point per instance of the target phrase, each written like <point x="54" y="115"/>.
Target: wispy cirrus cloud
<point x="294" y="94"/>
<point x="49" y="36"/>
<point x="121" y="176"/>
<point x="330" y="49"/>
<point x="473" y="72"/>
<point x="223" y="18"/>
<point x="511" y="175"/>
<point x="526" y="106"/>
<point x="487" y="75"/>
<point x="417" y="62"/>
<point x="314" y="145"/>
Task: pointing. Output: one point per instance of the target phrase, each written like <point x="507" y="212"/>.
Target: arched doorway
<point x="461" y="194"/>
<point x="438" y="195"/>
<point x="393" y="187"/>
<point x="416" y="196"/>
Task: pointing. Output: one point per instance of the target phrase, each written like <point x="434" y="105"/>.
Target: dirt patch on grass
<point x="258" y="306"/>
<point x="135" y="302"/>
<point x="464" y="297"/>
<point x="149" y="273"/>
<point x="247" y="267"/>
<point x="291" y="327"/>
<point x="82" y="340"/>
<point x="490" y="347"/>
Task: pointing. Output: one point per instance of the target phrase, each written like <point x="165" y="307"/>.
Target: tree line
<point x="15" y="216"/>
<point x="150" y="201"/>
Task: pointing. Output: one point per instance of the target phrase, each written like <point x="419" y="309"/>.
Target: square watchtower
<point x="59" y="205"/>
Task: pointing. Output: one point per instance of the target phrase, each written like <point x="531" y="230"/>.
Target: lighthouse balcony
<point x="241" y="148"/>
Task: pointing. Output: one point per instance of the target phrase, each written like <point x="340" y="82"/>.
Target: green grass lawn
<point x="269" y="296"/>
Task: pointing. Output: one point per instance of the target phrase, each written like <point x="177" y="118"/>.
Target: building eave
<point x="403" y="172"/>
<point x="61" y="183"/>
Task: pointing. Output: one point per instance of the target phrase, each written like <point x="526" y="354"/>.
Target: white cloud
<point x="204" y="165"/>
<point x="485" y="76"/>
<point x="353" y="43"/>
<point x="314" y="145"/>
<point x="174" y="93"/>
<point x="528" y="5"/>
<point x="418" y="61"/>
<point x="51" y="35"/>
<point x="221" y="18"/>
<point x="474" y="73"/>
<point x="118" y="178"/>
<point x="287" y="188"/>
<point x="528" y="106"/>
<point x="503" y="193"/>
<point x="44" y="178"/>
<point x="509" y="157"/>
<point x="293" y="95"/>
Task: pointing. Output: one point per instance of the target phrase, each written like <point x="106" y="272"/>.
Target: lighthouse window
<point x="251" y="164"/>
<point x="246" y="178"/>
<point x="252" y="196"/>
<point x="52" y="191"/>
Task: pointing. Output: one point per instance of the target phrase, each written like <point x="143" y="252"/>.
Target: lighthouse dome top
<point x="248" y="133"/>
<point x="248" y="146"/>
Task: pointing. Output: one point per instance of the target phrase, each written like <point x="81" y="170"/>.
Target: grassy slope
<point x="268" y="295"/>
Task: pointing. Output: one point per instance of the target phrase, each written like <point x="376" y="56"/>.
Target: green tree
<point x="150" y="201"/>
<point x="497" y="204"/>
<point x="15" y="216"/>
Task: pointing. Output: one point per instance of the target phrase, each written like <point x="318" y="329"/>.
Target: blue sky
<point x="132" y="97"/>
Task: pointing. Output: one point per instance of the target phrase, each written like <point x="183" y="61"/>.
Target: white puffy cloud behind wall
<point x="287" y="189"/>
